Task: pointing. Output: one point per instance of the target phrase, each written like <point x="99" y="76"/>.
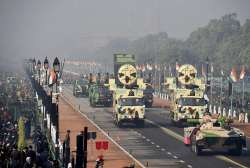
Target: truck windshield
<point x="103" y="90"/>
<point x="191" y="102"/>
<point x="83" y="82"/>
<point x="131" y="102"/>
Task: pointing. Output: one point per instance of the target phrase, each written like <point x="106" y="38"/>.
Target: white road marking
<point x="230" y="161"/>
<point x="182" y="161"/>
<point x="189" y="166"/>
<point x="162" y="149"/>
<point x="143" y="137"/>
<point x="157" y="146"/>
<point x="148" y="140"/>
<point x="169" y="153"/>
<point x="175" y="157"/>
<point x="152" y="143"/>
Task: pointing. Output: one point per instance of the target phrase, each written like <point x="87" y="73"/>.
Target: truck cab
<point x="80" y="88"/>
<point x="187" y="106"/>
<point x="129" y="108"/>
<point x="100" y="94"/>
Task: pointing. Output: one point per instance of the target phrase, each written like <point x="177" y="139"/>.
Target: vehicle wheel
<point x="237" y="151"/>
<point x="141" y="123"/>
<point x="149" y="105"/>
<point x="111" y="104"/>
<point x="196" y="149"/>
<point x="171" y="117"/>
<point x="117" y="122"/>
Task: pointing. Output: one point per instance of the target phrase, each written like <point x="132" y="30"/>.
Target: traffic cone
<point x="234" y="114"/>
<point x="246" y="118"/>
<point x="210" y="108"/>
<point x="224" y="112"/>
<point x="219" y="110"/>
<point x="229" y="113"/>
<point x="215" y="112"/>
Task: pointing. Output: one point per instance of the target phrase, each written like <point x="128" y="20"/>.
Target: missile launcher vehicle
<point x="186" y="91"/>
<point x="128" y="99"/>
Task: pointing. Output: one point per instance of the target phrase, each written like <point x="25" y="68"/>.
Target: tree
<point x="21" y="134"/>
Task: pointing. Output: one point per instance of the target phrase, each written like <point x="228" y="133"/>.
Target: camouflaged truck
<point x="80" y="88"/>
<point x="129" y="107"/>
<point x="186" y="92"/>
<point x="128" y="99"/>
<point x="214" y="135"/>
<point x="99" y="94"/>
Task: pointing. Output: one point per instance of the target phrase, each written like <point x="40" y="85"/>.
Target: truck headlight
<point x="182" y="110"/>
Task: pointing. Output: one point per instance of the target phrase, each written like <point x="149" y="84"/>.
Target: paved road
<point x="159" y="143"/>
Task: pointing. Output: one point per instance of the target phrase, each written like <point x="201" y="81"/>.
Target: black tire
<point x="237" y="151"/>
<point x="141" y="123"/>
<point x="148" y="105"/>
<point x="196" y="149"/>
<point x="118" y="123"/>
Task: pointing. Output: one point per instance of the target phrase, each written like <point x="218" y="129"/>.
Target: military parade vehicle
<point x="215" y="135"/>
<point x="186" y="91"/>
<point x="128" y="100"/>
<point x="100" y="95"/>
<point x="80" y="87"/>
<point x="147" y="92"/>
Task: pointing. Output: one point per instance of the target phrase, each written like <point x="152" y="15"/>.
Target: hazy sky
<point x="36" y="28"/>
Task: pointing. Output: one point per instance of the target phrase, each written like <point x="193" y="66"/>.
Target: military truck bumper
<point x="103" y="101"/>
<point x="130" y="118"/>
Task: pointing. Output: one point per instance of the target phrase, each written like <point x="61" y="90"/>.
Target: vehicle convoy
<point x="186" y="91"/>
<point x="80" y="87"/>
<point x="128" y="99"/>
<point x="216" y="135"/>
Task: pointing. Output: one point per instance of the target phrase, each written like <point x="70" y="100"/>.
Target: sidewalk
<point x="71" y="119"/>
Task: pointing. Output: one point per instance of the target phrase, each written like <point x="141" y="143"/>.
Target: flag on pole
<point x="52" y="78"/>
<point x="177" y="66"/>
<point x="143" y="68"/>
<point x="222" y="72"/>
<point x="242" y="72"/>
<point x="212" y="68"/>
<point x="203" y="70"/>
<point x="149" y="67"/>
<point x="170" y="70"/>
<point x="233" y="75"/>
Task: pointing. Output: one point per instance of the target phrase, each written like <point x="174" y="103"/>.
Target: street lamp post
<point x="207" y="69"/>
<point x="39" y="70"/>
<point x="34" y="65"/>
<point x="46" y="67"/>
<point x="56" y="67"/>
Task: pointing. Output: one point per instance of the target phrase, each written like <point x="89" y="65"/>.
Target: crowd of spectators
<point x="35" y="153"/>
